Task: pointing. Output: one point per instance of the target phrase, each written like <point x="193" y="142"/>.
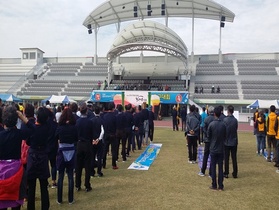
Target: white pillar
<point x="141" y="57"/>
<point x="96" y="46"/>
<point x="193" y="37"/>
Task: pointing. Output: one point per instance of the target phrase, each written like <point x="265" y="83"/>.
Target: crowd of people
<point x="220" y="141"/>
<point x="266" y="130"/>
<point x="36" y="143"/>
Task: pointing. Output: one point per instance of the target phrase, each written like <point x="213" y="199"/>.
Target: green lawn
<point x="173" y="183"/>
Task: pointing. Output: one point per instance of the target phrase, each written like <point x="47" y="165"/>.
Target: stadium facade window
<point x="25" y="56"/>
<point x="32" y="55"/>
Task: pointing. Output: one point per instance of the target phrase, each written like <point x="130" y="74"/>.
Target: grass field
<point x="173" y="183"/>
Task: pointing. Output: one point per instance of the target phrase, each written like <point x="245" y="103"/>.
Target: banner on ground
<point x="144" y="161"/>
<point x="200" y="157"/>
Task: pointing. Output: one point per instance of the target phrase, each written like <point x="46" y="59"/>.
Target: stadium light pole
<point x="222" y="25"/>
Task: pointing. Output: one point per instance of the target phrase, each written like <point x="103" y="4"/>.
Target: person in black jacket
<point x="231" y="142"/>
<point x="68" y="135"/>
<point x="183" y="115"/>
<point x="192" y="133"/>
<point x="37" y="163"/>
<point x="84" y="152"/>
<point x="151" y="123"/>
<point x="128" y="131"/>
<point x="10" y="155"/>
<point x="174" y="115"/>
<point x="52" y="147"/>
<point x="109" y="137"/>
<point x="207" y="121"/>
<point x="138" y="121"/>
<point x="98" y="143"/>
<point x="216" y="135"/>
<point x="120" y="130"/>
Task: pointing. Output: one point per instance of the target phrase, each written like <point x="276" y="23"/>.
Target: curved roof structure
<point x="148" y="36"/>
<point x="117" y="11"/>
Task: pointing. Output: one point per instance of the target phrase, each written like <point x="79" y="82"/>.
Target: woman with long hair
<point x="68" y="136"/>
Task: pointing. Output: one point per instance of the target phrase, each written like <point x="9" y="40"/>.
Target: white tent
<point x="263" y="104"/>
<point x="59" y="99"/>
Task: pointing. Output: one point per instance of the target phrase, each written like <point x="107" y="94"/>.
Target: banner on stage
<point x="144" y="161"/>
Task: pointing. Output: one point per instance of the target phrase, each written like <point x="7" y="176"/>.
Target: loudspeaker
<point x="163" y="12"/>
<point x="135" y="14"/>
<point x="223" y="18"/>
<point x="89" y="31"/>
<point x="148" y="7"/>
<point x="222" y="25"/>
<point x="149" y="13"/>
<point x="163" y="6"/>
<point x="89" y="26"/>
<point x="135" y="8"/>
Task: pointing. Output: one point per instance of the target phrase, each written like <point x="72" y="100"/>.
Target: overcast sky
<point x="55" y="26"/>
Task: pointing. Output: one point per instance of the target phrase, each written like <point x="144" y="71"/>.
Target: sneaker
<point x="189" y="161"/>
<point x="226" y="176"/>
<point x="78" y="188"/>
<point x="53" y="186"/>
<point x="58" y="202"/>
<point x="100" y="174"/>
<point x="220" y="189"/>
<point x="212" y="188"/>
<point x="268" y="160"/>
<point x="115" y="167"/>
<point x="277" y="171"/>
<point x="201" y="174"/>
<point x="194" y="162"/>
<point x="88" y="189"/>
<point x="70" y="203"/>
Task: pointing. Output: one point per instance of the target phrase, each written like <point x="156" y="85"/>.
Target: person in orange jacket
<point x="271" y="141"/>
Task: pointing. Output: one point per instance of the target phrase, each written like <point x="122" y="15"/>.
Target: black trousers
<point x="205" y="157"/>
<point x="97" y="151"/>
<point x="231" y="150"/>
<point x="121" y="137"/>
<point x="128" y="138"/>
<point x="110" y="140"/>
<point x="32" y="192"/>
<point x="151" y="131"/>
<point x="84" y="155"/>
<point x="217" y="159"/>
<point x="192" y="147"/>
<point x="174" y="124"/>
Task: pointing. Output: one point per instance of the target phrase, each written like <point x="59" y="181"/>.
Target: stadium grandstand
<point x="240" y="78"/>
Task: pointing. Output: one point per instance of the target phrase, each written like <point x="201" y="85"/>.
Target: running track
<point x="167" y="123"/>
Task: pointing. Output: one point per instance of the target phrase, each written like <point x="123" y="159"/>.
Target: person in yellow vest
<point x="260" y="133"/>
<point x="277" y="141"/>
<point x="271" y="141"/>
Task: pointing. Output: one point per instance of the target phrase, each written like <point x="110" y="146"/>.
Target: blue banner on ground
<point x="200" y="157"/>
<point x="144" y="161"/>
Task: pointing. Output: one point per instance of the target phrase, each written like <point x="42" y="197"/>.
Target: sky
<point x="55" y="26"/>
